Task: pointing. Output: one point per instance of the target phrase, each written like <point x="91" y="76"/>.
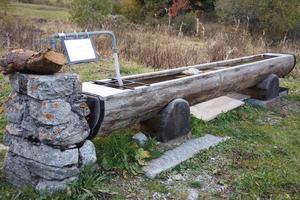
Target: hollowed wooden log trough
<point x="143" y="96"/>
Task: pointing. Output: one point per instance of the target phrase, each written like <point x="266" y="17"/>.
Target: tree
<point x="4" y="5"/>
<point x="176" y="7"/>
<point x="179" y="6"/>
<point x="90" y="13"/>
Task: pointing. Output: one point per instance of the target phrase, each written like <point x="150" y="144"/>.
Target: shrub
<point x="131" y="9"/>
<point x="89" y="14"/>
<point x="275" y="18"/>
<point x="188" y="22"/>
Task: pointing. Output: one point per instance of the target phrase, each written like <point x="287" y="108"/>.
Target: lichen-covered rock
<point x="30" y="125"/>
<point x="54" y="112"/>
<point x="81" y="109"/>
<point x="43" y="154"/>
<point x="15" y="108"/>
<point x="140" y="138"/>
<point x="79" y="105"/>
<point x="73" y="132"/>
<point x="87" y="154"/>
<point x="49" y="172"/>
<point x="17" y="172"/>
<point x="46" y="132"/>
<point x="46" y="87"/>
<point x="16" y="130"/>
<point x="7" y="138"/>
<point x="29" y="172"/>
<point x="54" y="185"/>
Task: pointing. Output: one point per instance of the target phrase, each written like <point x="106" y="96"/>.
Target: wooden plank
<point x="211" y="109"/>
<point x="103" y="91"/>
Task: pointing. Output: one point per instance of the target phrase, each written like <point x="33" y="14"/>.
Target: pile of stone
<point x="47" y="131"/>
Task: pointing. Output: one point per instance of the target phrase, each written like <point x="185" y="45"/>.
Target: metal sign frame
<point x="97" y="57"/>
<point x="61" y="36"/>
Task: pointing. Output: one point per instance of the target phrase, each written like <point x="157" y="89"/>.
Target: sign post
<point x="79" y="48"/>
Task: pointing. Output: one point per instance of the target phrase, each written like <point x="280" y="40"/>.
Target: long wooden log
<point x="126" y="107"/>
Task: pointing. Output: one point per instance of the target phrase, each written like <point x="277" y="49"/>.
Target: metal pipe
<point x="95" y="33"/>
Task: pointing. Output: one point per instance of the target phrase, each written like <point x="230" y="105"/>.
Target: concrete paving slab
<point x="211" y="109"/>
<point x="174" y="157"/>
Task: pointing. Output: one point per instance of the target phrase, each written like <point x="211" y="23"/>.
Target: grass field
<point x="39" y="11"/>
<point x="260" y="161"/>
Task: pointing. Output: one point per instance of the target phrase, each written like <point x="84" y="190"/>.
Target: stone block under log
<point x="172" y="122"/>
<point x="265" y="90"/>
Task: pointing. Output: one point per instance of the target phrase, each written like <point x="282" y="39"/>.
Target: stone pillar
<point x="46" y="132"/>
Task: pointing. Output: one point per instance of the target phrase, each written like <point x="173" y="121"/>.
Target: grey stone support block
<point x="21" y="174"/>
<point x="46" y="87"/>
<point x="15" y="130"/>
<point x="171" y="122"/>
<point x="17" y="172"/>
<point x="53" y="112"/>
<point x="268" y="103"/>
<point x="15" y="108"/>
<point x="73" y="132"/>
<point x="43" y="154"/>
<point x="38" y="170"/>
<point x="46" y="132"/>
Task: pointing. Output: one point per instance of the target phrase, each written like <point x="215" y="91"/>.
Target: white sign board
<point x="80" y="50"/>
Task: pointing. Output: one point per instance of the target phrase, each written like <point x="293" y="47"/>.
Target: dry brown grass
<point x="156" y="47"/>
<point x="160" y="47"/>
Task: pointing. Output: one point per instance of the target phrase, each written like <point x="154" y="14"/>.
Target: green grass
<point x="39" y="11"/>
<point x="261" y="160"/>
<point x="4" y="93"/>
<point x="196" y="184"/>
<point x="120" y="153"/>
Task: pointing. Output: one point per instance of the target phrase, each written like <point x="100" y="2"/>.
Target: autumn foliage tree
<point x="179" y="6"/>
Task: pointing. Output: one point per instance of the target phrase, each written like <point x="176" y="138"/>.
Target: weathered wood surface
<point x="220" y="64"/>
<point x="26" y="61"/>
<point x="145" y="102"/>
